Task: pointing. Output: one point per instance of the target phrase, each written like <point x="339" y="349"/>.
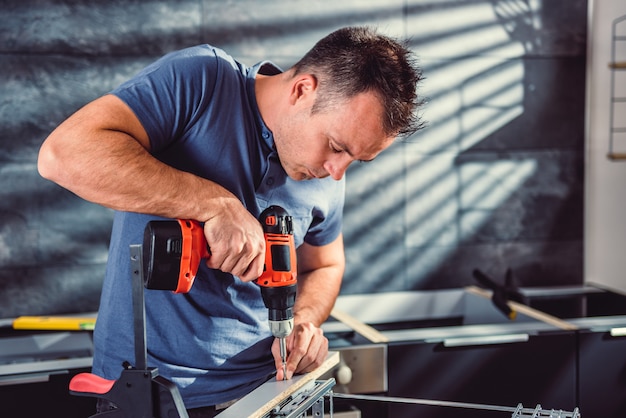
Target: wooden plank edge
<point x="526" y="310"/>
<point x="270" y="394"/>
<point x="616" y="156"/>
<point x="618" y="65"/>
<point x="367" y="331"/>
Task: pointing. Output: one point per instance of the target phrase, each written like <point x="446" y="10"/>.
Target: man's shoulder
<point x="204" y="54"/>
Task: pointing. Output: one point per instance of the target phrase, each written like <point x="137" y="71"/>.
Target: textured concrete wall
<point x="495" y="181"/>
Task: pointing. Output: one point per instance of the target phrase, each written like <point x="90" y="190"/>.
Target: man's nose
<point x="337" y="167"/>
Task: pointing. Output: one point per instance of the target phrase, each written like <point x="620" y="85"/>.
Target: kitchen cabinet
<point x="600" y="315"/>
<point x="455" y="346"/>
<point x="540" y="369"/>
<point x="602" y="377"/>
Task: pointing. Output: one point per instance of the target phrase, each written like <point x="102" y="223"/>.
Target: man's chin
<point x="300" y="176"/>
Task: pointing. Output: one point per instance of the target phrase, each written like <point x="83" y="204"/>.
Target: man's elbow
<point x="45" y="162"/>
<point x="49" y="163"/>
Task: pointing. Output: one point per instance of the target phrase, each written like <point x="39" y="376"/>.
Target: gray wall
<point x="495" y="181"/>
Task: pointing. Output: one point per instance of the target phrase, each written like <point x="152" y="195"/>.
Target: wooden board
<point x="371" y="333"/>
<point x="263" y="399"/>
<point x="526" y="310"/>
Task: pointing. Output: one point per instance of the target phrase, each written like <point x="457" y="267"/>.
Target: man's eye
<point x="335" y="149"/>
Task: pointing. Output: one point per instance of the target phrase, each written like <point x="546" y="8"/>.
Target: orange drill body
<point x="173" y="251"/>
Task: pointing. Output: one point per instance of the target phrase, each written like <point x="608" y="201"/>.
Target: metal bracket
<point x="311" y="397"/>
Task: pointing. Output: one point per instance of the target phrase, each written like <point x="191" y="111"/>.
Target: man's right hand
<point x="236" y="240"/>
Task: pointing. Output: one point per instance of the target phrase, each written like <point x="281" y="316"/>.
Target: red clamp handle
<point x="90" y="383"/>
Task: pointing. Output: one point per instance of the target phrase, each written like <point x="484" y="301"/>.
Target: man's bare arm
<point x="320" y="271"/>
<point x="101" y="153"/>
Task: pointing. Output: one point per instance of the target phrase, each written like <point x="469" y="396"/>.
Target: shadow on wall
<point x="494" y="180"/>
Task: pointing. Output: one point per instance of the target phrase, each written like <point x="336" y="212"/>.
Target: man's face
<point x="325" y="143"/>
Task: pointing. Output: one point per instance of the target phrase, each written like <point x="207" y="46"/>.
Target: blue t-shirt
<point x="199" y="109"/>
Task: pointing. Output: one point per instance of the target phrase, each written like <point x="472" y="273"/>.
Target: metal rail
<point x="310" y="399"/>
<point x="517" y="412"/>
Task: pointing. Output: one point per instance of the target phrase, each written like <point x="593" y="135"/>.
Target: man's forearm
<point x="317" y="292"/>
<point x="320" y="271"/>
<point x="122" y="175"/>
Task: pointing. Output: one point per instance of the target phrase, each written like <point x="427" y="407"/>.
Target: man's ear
<point x="303" y="88"/>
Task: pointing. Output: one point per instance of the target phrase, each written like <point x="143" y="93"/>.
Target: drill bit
<point x="283" y="355"/>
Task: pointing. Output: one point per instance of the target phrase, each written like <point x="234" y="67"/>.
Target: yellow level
<point x="55" y="323"/>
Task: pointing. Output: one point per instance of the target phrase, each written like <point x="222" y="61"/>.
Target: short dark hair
<point x="354" y="60"/>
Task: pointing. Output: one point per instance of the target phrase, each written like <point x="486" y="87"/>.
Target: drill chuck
<point x="279" y="302"/>
<point x="281" y="329"/>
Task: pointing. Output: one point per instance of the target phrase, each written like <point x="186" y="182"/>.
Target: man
<point x="197" y="135"/>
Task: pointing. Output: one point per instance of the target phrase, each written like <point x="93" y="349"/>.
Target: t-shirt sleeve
<point x="167" y="95"/>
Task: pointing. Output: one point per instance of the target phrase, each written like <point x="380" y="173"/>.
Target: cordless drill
<point x="173" y="250"/>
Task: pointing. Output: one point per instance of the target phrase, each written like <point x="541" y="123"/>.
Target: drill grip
<point x="280" y="250"/>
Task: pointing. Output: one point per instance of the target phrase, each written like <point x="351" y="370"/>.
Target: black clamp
<point x="139" y="392"/>
<point x="501" y="294"/>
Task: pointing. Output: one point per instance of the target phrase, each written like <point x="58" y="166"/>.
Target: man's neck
<point x="270" y="91"/>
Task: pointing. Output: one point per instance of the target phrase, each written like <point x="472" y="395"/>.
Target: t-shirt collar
<point x="264" y="68"/>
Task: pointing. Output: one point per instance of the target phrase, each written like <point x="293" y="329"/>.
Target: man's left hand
<point x="307" y="348"/>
